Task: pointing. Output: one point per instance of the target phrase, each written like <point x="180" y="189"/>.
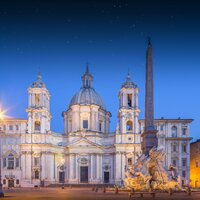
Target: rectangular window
<point x="36" y="161"/>
<point x="16" y="162"/>
<point x="174" y="147"/>
<point x="174" y="162"/>
<point x="36" y="174"/>
<point x="129" y="161"/>
<point x="184" y="148"/>
<point x="85" y="124"/>
<point x="17" y="181"/>
<point x="129" y="96"/>
<point x="183" y="174"/>
<point x="184" y="162"/>
<point x="11" y="163"/>
<point x="4" y="162"/>
<point x="10" y="128"/>
<point x="184" y="131"/>
<point x="161" y="127"/>
<point x="100" y="128"/>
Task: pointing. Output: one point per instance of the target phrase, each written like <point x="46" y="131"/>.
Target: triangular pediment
<point x="83" y="142"/>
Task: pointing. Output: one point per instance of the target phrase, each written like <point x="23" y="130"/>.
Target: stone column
<point x="28" y="166"/>
<point x="74" y="160"/>
<point x="76" y="120"/>
<point x="123" y="158"/>
<point x="29" y="100"/>
<point x="118" y="168"/>
<point x="97" y="166"/>
<point x="23" y="165"/>
<point x="91" y="166"/>
<point x="33" y="99"/>
<point x="100" y="168"/>
<point x="71" y="164"/>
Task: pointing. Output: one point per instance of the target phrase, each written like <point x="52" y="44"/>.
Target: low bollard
<point x="132" y="190"/>
<point x="170" y="191"/>
<point x="116" y="190"/>
<point x="96" y="190"/>
<point x="188" y="190"/>
<point x="104" y="190"/>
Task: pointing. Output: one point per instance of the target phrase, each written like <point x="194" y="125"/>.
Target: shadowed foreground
<point x="82" y="194"/>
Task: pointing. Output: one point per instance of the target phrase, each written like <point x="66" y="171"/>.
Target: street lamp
<point x="1" y="185"/>
<point x="63" y="176"/>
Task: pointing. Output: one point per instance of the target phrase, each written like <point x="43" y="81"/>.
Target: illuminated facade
<point x="195" y="164"/>
<point x="87" y="152"/>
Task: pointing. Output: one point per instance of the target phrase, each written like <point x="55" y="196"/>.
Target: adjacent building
<point x="195" y="164"/>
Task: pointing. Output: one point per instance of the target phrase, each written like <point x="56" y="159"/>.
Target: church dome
<point x="87" y="95"/>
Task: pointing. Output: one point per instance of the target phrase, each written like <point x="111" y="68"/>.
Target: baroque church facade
<point x="87" y="152"/>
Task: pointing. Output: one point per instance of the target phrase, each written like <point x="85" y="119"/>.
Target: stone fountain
<point x="149" y="173"/>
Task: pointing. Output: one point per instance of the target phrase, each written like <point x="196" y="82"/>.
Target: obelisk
<point x="149" y="137"/>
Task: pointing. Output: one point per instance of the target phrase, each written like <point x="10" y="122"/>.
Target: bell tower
<point x="127" y="135"/>
<point x="38" y="107"/>
<point x="128" y="107"/>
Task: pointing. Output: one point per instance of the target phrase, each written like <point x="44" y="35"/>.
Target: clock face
<point x="129" y="139"/>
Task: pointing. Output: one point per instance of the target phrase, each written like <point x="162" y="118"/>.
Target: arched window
<point x="37" y="125"/>
<point x="10" y="161"/>
<point x="37" y="99"/>
<point x="129" y="126"/>
<point x="129" y="98"/>
<point x="174" y="131"/>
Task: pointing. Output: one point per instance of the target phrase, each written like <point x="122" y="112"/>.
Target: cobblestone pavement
<point x="83" y="194"/>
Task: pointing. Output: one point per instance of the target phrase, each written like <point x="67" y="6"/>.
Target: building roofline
<point x="13" y="119"/>
<point x="197" y="141"/>
<point x="170" y="119"/>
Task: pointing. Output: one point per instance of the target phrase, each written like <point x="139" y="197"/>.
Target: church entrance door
<point x="61" y="177"/>
<point x="106" y="177"/>
<point x="84" y="174"/>
<point x="11" y="183"/>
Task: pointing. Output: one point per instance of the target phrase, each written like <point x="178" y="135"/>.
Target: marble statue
<point x="149" y="173"/>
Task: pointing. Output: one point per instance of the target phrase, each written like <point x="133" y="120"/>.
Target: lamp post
<point x="63" y="176"/>
<point x="1" y="185"/>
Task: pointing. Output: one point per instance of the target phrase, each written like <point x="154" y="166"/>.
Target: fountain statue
<point x="149" y="173"/>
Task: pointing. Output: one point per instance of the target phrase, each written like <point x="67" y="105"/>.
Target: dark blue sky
<point x="59" y="37"/>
